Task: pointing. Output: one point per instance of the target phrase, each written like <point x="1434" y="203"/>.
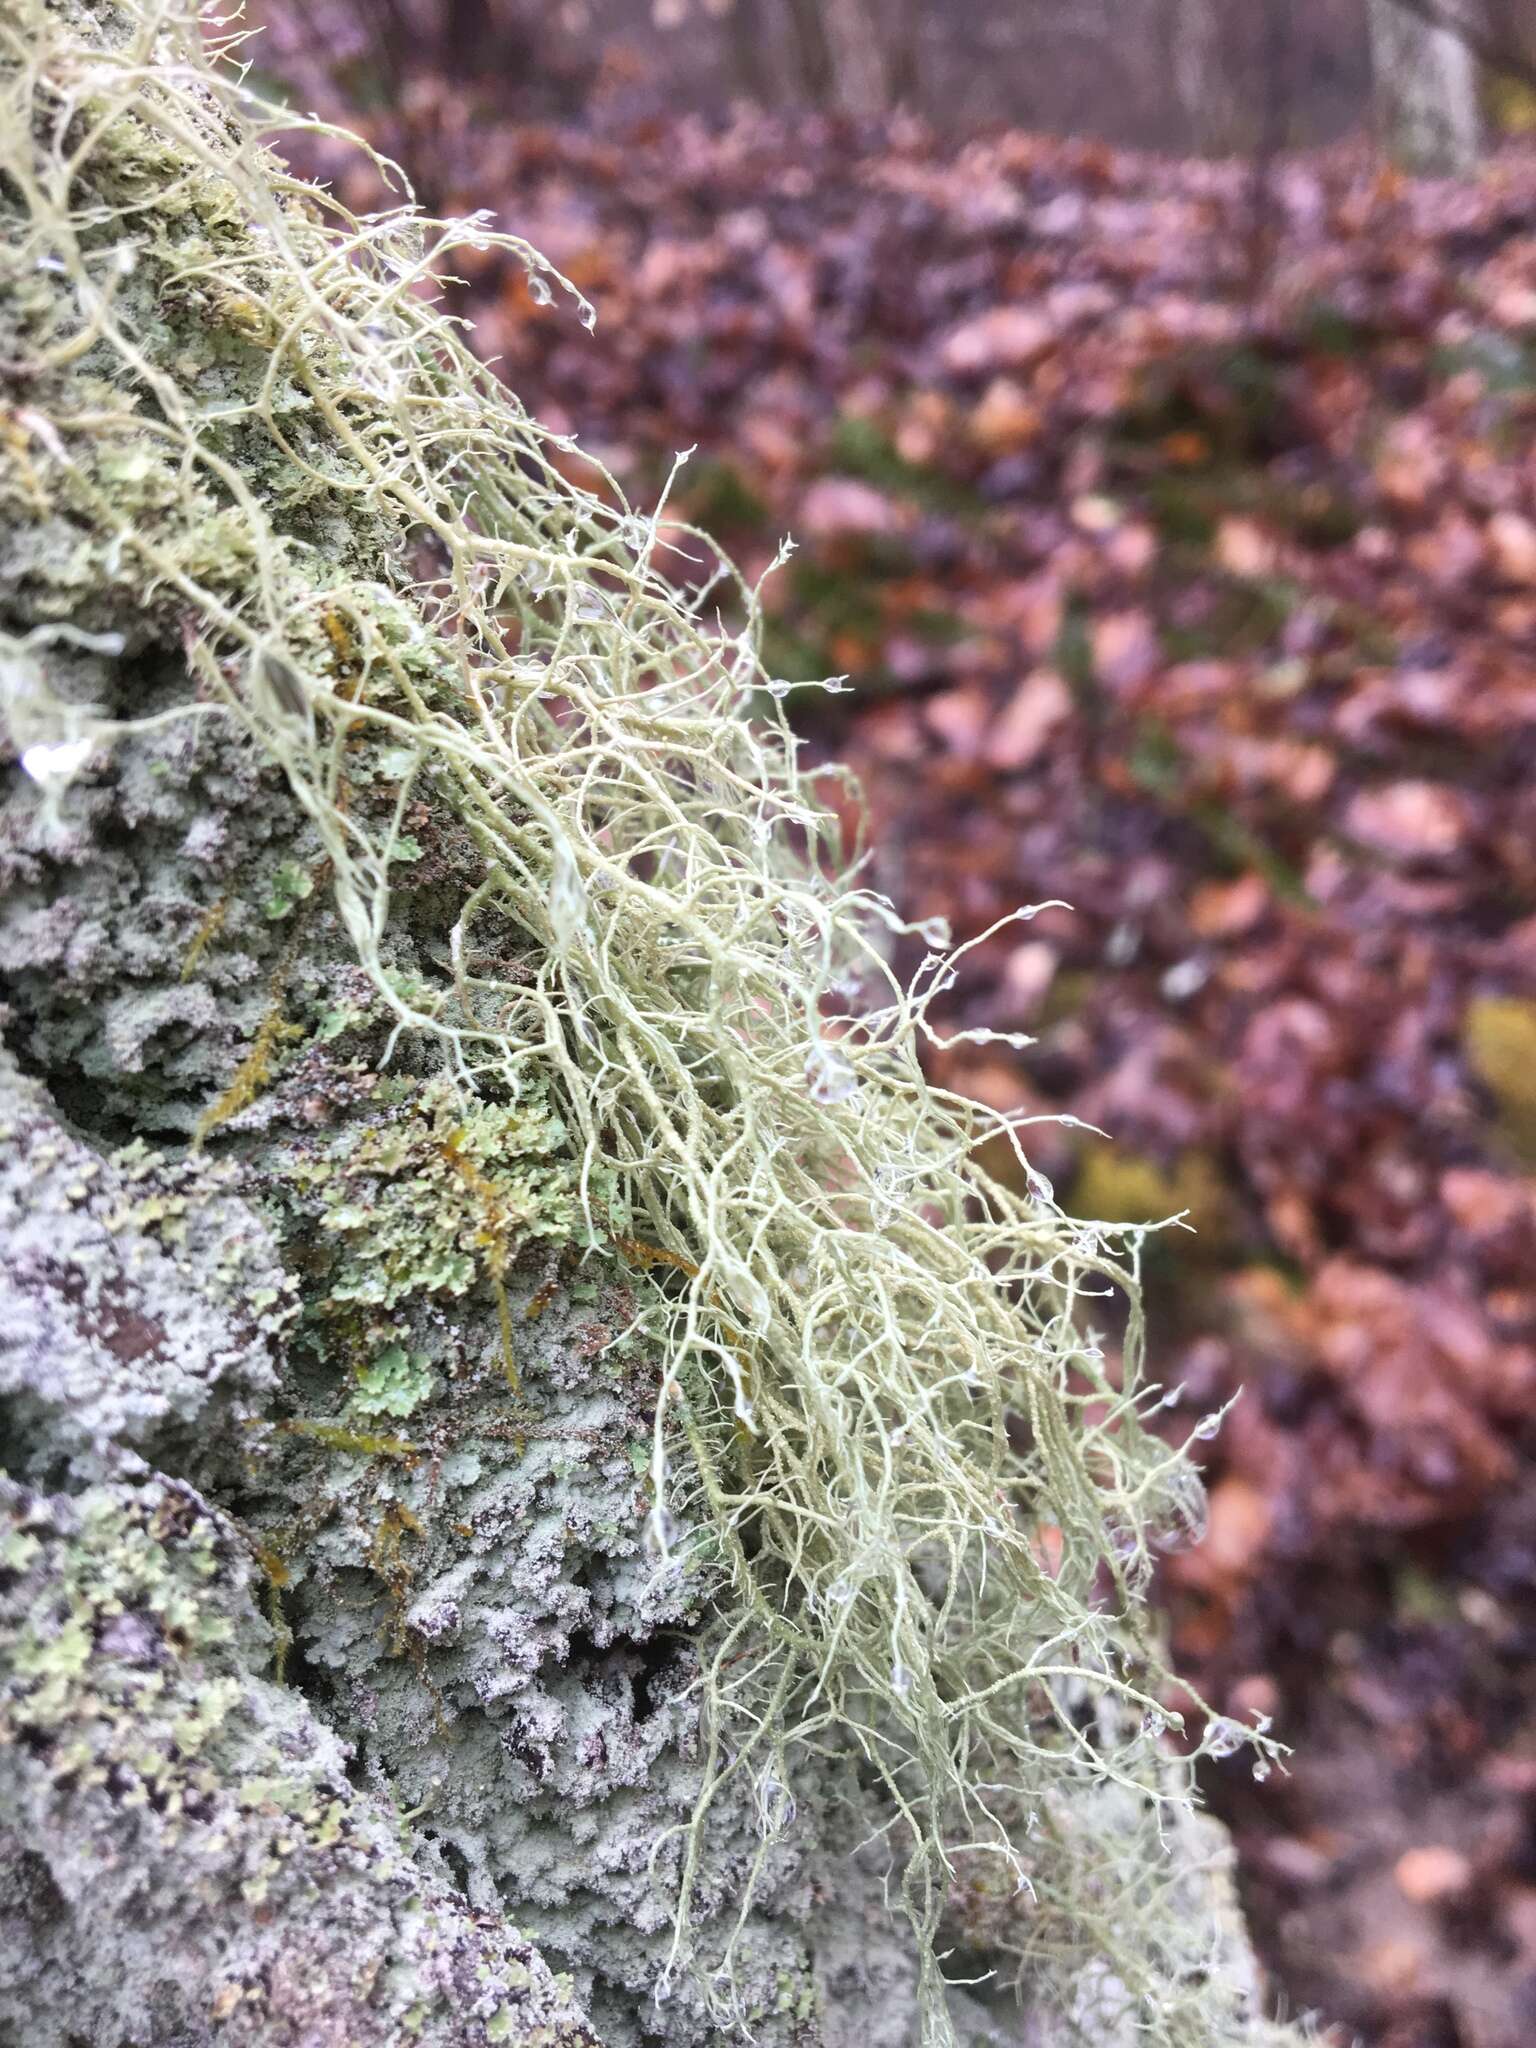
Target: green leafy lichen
<point x="429" y="1194"/>
<point x="396" y="1383"/>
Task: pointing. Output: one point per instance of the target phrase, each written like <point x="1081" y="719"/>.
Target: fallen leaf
<point x="1003" y="338"/>
<point x="1025" y="726"/>
<point x="1408" y="820"/>
<point x="1432" y="1875"/>
<point x="1512" y="538"/>
<point x="838" y="506"/>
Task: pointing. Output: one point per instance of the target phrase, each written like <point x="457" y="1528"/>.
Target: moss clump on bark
<point x="510" y="1198"/>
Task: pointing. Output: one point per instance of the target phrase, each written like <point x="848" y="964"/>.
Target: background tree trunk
<point x="859" y="36"/>
<point x="814" y="64"/>
<point x="754" y="74"/>
<point x="1194" y="55"/>
<point x="1426" y="89"/>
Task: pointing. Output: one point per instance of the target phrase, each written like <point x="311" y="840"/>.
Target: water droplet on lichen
<point x="775" y="1806"/>
<point x="1224" y="1737"/>
<point x="829" y="1075"/>
<point x="57" y="762"/>
<point x="660" y="1532"/>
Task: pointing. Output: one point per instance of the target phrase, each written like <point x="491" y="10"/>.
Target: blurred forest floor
<point x="1178" y="533"/>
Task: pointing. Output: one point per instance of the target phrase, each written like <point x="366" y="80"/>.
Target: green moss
<point x="1244" y="615"/>
<point x="1127" y="1187"/>
<point x="1159" y="765"/>
<point x="720" y="498"/>
<point x="1504" y="363"/>
<point x="1233" y="398"/>
<point x="859" y="447"/>
<point x="289" y="886"/>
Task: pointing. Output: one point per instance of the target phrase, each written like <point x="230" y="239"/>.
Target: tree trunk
<point x="1195" y="58"/>
<point x="815" y="70"/>
<point x="469" y="39"/>
<point x="754" y="74"/>
<point x="857" y="35"/>
<point x="1426" y="90"/>
<point x="904" y="35"/>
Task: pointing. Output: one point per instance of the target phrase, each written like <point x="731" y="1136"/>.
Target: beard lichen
<point x="653" y="1023"/>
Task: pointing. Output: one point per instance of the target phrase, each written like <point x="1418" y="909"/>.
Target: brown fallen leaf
<point x="1003" y="338"/>
<point x="1408" y="820"/>
<point x="1432" y="1875"/>
<point x="837" y="506"/>
<point x="1025" y="726"/>
<point x="1244" y="548"/>
<point x="1512" y="539"/>
<point x="1004" y="419"/>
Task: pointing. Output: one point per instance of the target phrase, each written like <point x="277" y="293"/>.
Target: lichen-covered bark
<point x="185" y="1853"/>
<point x="311" y="1330"/>
<point x="188" y="1851"/>
<point x="335" y="1395"/>
<point x="344" y="1630"/>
